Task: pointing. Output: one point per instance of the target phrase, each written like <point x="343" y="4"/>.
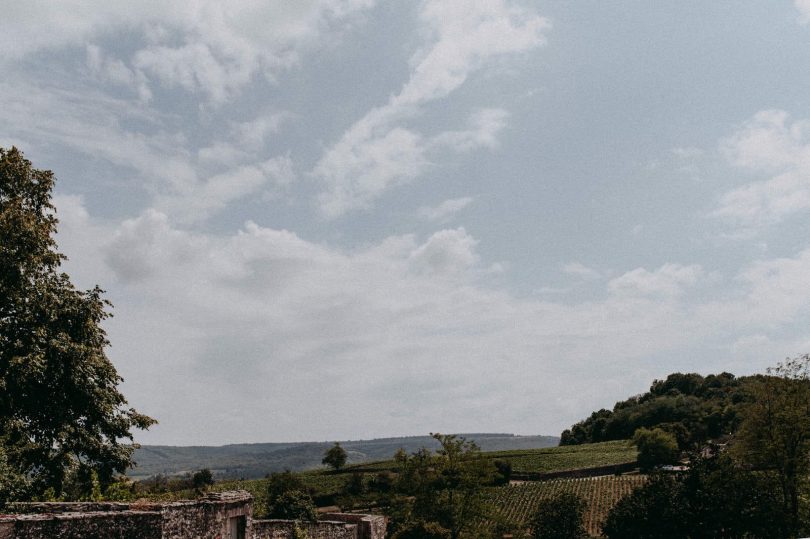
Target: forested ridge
<point x="694" y="408"/>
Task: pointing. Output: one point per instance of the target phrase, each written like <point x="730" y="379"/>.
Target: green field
<point x="568" y="457"/>
<point x="515" y="504"/>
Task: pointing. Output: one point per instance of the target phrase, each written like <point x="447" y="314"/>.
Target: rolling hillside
<point x="256" y="460"/>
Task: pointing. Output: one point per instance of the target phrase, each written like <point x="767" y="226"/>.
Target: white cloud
<point x="463" y="37"/>
<point x="444" y="211"/>
<point x="581" y="271"/>
<point x="484" y="127"/>
<point x="668" y="280"/>
<point x="768" y="144"/>
<point x="188" y="185"/>
<point x="447" y="252"/>
<point x="804" y="10"/>
<point x="206" y="47"/>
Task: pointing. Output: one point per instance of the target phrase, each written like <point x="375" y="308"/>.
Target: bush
<point x="655" y="447"/>
<point x="559" y="517"/>
<point x="293" y="505"/>
<point x="202" y="479"/>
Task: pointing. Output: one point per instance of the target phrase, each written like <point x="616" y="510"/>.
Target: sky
<point x="328" y="219"/>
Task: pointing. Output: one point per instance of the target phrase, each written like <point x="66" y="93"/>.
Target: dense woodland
<point x="692" y="407"/>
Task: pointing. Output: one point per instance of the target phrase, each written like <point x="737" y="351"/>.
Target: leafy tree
<point x="293" y="505"/>
<point x="504" y="474"/>
<point x="202" y="479"/>
<point x="335" y="457"/>
<point x="13" y="485"/>
<point x="653" y="511"/>
<point x="775" y="432"/>
<point x="714" y="499"/>
<point x="59" y="403"/>
<point x="445" y="488"/>
<point x="655" y="447"/>
<point x="559" y="517"/>
<point x="278" y="484"/>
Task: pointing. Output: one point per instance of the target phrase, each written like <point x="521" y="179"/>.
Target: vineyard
<point x="516" y="504"/>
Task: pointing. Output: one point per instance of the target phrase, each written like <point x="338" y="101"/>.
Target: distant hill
<point x="692" y="407"/>
<point x="255" y="460"/>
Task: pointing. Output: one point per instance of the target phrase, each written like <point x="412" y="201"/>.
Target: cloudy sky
<point x="332" y="219"/>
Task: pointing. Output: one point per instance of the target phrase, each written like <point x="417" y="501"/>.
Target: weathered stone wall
<point x="225" y="515"/>
<point x="368" y="526"/>
<point x="67" y="507"/>
<point x="209" y="518"/>
<point x="99" y="525"/>
<point x="283" y="529"/>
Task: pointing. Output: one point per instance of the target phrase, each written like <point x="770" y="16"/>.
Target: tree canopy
<point x="775" y="432"/>
<point x="692" y="407"/>
<point x="335" y="457"/>
<point x="61" y="412"/>
<point x="559" y="517"/>
<point x="445" y="489"/>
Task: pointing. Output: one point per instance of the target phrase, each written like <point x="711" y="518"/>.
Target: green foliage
<point x="775" y="433"/>
<point x="202" y="479"/>
<point x="292" y="505"/>
<point x="504" y="468"/>
<point x="653" y="511"/>
<point x="277" y="487"/>
<point x="13" y="485"/>
<point x="559" y="517"/>
<point x="691" y="407"/>
<point x="335" y="457"/>
<point x="714" y="499"/>
<point x="655" y="447"/>
<point x="445" y="489"/>
<point x="422" y="530"/>
<point x="280" y="482"/>
<point x="356" y="485"/>
<point x="59" y="402"/>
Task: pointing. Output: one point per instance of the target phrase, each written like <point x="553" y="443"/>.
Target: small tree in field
<point x="202" y="479"/>
<point x="335" y="457"/>
<point x="559" y="517"/>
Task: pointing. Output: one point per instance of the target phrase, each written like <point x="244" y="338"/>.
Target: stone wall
<point x="210" y="517"/>
<point x="95" y="525"/>
<point x="225" y="515"/>
<point x="283" y="529"/>
<point x="368" y="526"/>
